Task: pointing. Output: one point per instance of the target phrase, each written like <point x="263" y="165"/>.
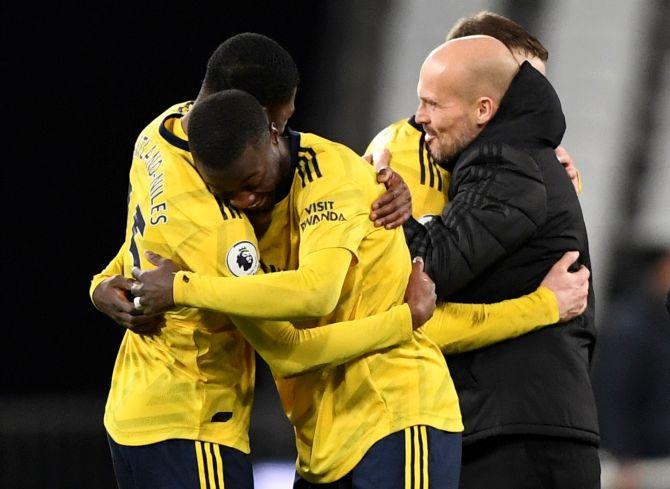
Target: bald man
<point x="527" y="403"/>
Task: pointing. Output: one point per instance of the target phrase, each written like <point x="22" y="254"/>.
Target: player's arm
<point x="113" y="268"/>
<point x="495" y="206"/>
<point x="290" y="351"/>
<point x="310" y="291"/>
<point x="110" y="294"/>
<point x="462" y="327"/>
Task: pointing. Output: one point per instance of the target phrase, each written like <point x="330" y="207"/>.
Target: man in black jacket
<point x="527" y="403"/>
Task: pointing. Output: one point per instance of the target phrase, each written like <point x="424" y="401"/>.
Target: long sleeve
<point x="114" y="267"/>
<point x="291" y="351"/>
<point x="457" y="328"/>
<point x="310" y="291"/>
<point x="496" y="204"/>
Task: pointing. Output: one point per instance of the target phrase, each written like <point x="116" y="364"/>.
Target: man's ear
<point x="486" y="109"/>
<point x="274" y="133"/>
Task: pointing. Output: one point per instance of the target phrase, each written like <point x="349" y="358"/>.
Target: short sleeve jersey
<point x="194" y="379"/>
<point x="339" y="412"/>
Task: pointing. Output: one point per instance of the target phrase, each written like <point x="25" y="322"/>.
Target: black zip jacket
<point x="512" y="214"/>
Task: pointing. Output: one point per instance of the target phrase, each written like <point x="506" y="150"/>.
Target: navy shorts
<point x="180" y="464"/>
<point x="419" y="457"/>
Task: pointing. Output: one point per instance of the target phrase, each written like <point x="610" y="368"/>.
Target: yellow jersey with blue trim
<point x="340" y="412"/>
<point x="194" y="378"/>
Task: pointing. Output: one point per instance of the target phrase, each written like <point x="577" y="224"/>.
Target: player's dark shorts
<point x="180" y="464"/>
<point x="529" y="462"/>
<point x="419" y="457"/>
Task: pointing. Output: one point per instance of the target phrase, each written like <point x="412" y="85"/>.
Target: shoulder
<point x="397" y="136"/>
<point x="488" y="157"/>
<point x="321" y="159"/>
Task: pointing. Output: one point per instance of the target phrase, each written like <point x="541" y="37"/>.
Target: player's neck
<point x="284" y="157"/>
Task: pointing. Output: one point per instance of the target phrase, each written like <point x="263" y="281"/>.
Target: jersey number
<point x="138" y="227"/>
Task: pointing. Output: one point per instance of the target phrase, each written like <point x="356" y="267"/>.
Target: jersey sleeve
<point x="290" y="351"/>
<point x="333" y="213"/>
<point x="310" y="291"/>
<point x="457" y="328"/>
<point x="114" y="267"/>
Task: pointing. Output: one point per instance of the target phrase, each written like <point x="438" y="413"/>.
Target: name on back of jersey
<point x="153" y="162"/>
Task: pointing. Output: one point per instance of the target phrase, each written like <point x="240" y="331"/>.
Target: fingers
<point x="121" y="304"/>
<point x="395" y="219"/>
<point x="381" y="159"/>
<point x="383" y="175"/>
<point x="417" y="264"/>
<point x="368" y="157"/>
<point x="153" y="258"/>
<point x="583" y="274"/>
<point x="136" y="272"/>
<point x="392" y="211"/>
<point x="137" y="289"/>
<point x="121" y="282"/>
<point x="388" y="197"/>
<point x="144" y="324"/>
<point x="567" y="260"/>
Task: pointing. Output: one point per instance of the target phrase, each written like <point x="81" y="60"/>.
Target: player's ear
<point x="485" y="110"/>
<point x="274" y="133"/>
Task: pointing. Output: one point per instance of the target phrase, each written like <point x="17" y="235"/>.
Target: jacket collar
<point x="529" y="115"/>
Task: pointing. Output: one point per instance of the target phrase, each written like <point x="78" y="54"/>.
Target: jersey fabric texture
<point x="194" y="379"/>
<point x="340" y="412"/>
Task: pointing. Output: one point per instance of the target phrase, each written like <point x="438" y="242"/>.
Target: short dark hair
<point x="253" y="63"/>
<point x="222" y="125"/>
<point x="511" y="34"/>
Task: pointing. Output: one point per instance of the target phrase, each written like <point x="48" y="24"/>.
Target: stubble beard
<point x="448" y="153"/>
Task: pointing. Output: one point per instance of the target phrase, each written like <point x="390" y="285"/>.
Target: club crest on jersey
<point x="242" y="259"/>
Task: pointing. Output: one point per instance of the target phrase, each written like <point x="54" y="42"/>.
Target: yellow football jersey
<point x="339" y="412"/>
<point x="427" y="181"/>
<point x="193" y="379"/>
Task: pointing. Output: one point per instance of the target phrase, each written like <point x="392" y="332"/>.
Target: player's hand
<point x="566" y="160"/>
<point x="420" y="294"/>
<point x="111" y="298"/>
<point x="571" y="288"/>
<point x="153" y="289"/>
<point x="394" y="207"/>
<point x="379" y="159"/>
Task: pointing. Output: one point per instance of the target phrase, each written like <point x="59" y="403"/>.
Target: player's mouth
<point x="262" y="201"/>
<point x="430" y="135"/>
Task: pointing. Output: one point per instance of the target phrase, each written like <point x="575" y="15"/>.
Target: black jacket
<point x="513" y="212"/>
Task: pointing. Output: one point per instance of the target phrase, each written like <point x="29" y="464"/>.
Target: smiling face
<point x="447" y="116"/>
<point x="250" y="181"/>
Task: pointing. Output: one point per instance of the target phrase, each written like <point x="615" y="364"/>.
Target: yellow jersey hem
<point x="452" y="425"/>
<point x="174" y="433"/>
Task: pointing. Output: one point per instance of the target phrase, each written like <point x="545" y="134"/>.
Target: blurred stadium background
<point x="84" y="78"/>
